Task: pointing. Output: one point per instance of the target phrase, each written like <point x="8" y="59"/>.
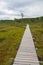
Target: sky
<point x="11" y="9"/>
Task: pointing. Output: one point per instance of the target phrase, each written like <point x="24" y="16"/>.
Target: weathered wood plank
<point x="26" y="54"/>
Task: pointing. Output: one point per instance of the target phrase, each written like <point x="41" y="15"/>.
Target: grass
<point x="37" y="32"/>
<point x="11" y="33"/>
<point x="10" y="38"/>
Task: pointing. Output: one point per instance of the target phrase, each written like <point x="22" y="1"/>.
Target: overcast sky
<point x="10" y="9"/>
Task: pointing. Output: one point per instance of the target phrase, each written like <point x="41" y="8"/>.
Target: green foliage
<point x="10" y="38"/>
<point x="30" y="20"/>
<point x="11" y="32"/>
<point x="37" y="32"/>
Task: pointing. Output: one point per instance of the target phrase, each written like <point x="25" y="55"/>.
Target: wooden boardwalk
<point x="26" y="54"/>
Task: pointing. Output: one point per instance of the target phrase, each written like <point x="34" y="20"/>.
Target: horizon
<point x="10" y="9"/>
<point x="23" y="18"/>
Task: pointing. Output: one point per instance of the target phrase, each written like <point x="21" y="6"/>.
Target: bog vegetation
<point x="11" y="32"/>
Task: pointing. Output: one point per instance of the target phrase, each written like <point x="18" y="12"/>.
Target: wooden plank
<point x="26" y="54"/>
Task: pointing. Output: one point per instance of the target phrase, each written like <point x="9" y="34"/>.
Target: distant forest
<point x="23" y="20"/>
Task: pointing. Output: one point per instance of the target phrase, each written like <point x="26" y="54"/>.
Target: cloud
<point x="10" y="9"/>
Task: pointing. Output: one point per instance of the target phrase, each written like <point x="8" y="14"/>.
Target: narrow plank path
<point x="26" y="54"/>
